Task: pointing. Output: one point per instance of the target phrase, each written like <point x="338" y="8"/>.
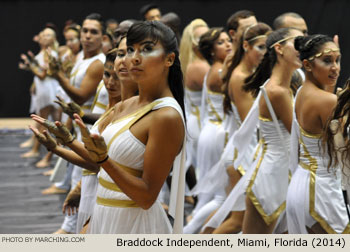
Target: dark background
<point x="20" y="20"/>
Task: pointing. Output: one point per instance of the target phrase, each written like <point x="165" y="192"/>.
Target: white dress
<point x="46" y="89"/>
<point x="314" y="193"/>
<point x="100" y="102"/>
<point x="114" y="211"/>
<point x="243" y="155"/>
<point x="216" y="179"/>
<point x="193" y="104"/>
<point x="212" y="139"/>
<point x="79" y="71"/>
<point x="76" y="78"/>
<point x="89" y="179"/>
<point x="268" y="185"/>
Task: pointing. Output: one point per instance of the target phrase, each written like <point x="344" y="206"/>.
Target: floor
<point x="23" y="209"/>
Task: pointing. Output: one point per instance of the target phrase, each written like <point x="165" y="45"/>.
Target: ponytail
<point x="264" y="70"/>
<point x="175" y="80"/>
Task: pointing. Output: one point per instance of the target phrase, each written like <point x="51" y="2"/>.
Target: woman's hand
<point x="54" y="65"/>
<point x="45" y="139"/>
<point x="60" y="131"/>
<point x="94" y="143"/>
<point x="70" y="108"/>
<point x="72" y="201"/>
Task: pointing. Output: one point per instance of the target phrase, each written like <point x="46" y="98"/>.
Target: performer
<point x="315" y="202"/>
<point x="267" y="188"/>
<point x="138" y="148"/>
<point x="214" y="45"/>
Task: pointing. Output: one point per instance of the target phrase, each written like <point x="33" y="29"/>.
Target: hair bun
<point x="299" y="43"/>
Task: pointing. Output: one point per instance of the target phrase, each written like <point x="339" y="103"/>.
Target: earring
<point x="212" y="54"/>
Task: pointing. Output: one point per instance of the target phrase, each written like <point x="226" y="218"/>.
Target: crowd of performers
<point x="241" y="124"/>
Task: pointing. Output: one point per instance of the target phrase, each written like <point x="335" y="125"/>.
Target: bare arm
<point x="88" y="86"/>
<point x="282" y="103"/>
<point x="165" y="138"/>
<point x="68" y="155"/>
<point x="243" y="100"/>
<point x="214" y="80"/>
<point x="327" y="101"/>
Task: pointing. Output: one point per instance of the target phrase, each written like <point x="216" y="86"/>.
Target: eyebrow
<point x="147" y="42"/>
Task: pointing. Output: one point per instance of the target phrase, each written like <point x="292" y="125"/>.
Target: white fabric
<point x="87" y="199"/>
<point x="79" y="71"/>
<point x="47" y="88"/>
<point x="101" y="97"/>
<point x="244" y="141"/>
<point x="328" y="199"/>
<point x="127" y="150"/>
<point x="193" y="104"/>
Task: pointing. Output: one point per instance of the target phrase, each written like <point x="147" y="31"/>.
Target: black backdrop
<point x="20" y="20"/>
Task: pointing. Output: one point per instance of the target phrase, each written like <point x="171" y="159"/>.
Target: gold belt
<point x="116" y="202"/>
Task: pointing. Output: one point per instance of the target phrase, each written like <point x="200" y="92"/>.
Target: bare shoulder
<point x="237" y="77"/>
<point x="168" y="121"/>
<point x="278" y="93"/>
<point x="198" y="65"/>
<point x="195" y="73"/>
<point x="95" y="67"/>
<point x="214" y="81"/>
<point x="167" y="116"/>
<point x="325" y="98"/>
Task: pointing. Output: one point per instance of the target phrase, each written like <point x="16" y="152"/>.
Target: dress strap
<point x="177" y="190"/>
<point x="137" y="116"/>
<point x="274" y="118"/>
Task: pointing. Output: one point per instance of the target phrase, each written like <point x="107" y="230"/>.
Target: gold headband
<point x="213" y="33"/>
<point x="257" y="37"/>
<point x="324" y="52"/>
<point x="282" y="40"/>
<point x="247" y="29"/>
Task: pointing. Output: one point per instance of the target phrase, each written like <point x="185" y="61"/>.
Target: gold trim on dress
<point x="214" y="93"/>
<point x="101" y="105"/>
<point x="138" y="114"/>
<point x="89" y="173"/>
<point x="241" y="170"/>
<point x="214" y="112"/>
<point x="104" y="115"/>
<point x="109" y="185"/>
<point x="194" y="109"/>
<point x="116" y="202"/>
<point x="99" y="87"/>
<point x="264" y="119"/>
<point x="139" y="110"/>
<point x="310" y="135"/>
<point x="192" y="90"/>
<point x="312" y="168"/>
<point x="267" y="218"/>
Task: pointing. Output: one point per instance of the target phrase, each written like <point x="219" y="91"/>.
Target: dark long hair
<point x="207" y="41"/>
<point x="249" y="35"/>
<point x="158" y="31"/>
<point x="309" y="46"/>
<point x="264" y="70"/>
<point x="341" y="111"/>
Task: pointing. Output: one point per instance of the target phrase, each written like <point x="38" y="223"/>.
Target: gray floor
<point x="23" y="209"/>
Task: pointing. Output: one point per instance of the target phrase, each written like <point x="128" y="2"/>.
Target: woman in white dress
<point x="214" y="45"/>
<point x="237" y="103"/>
<point x="315" y="202"/>
<point x="145" y="136"/>
<point x="46" y="87"/>
<point x="267" y="188"/>
<point x="194" y="68"/>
